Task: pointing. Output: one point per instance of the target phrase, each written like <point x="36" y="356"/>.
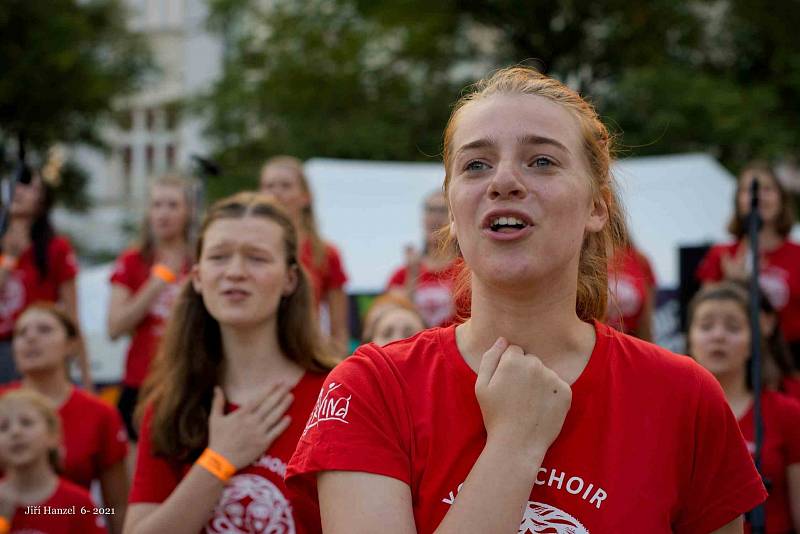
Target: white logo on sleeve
<point x="331" y="406"/>
<point x="251" y="504"/>
<point x="540" y="517"/>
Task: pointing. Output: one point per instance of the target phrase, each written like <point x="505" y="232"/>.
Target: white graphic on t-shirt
<point x="251" y="504"/>
<point x="331" y="406"/>
<point x="774" y="285"/>
<point x="434" y="302"/>
<point x="540" y="517"/>
<point x="12" y="299"/>
<point x="624" y="299"/>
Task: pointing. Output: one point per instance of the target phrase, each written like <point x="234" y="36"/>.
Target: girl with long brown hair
<point x="146" y="280"/>
<point x="531" y="416"/>
<point x="236" y="377"/>
<point x="284" y="177"/>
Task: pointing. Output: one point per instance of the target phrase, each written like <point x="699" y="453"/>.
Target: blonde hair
<point x="592" y="290"/>
<point x="45" y="408"/>
<point x="147" y="242"/>
<point x="378" y="309"/>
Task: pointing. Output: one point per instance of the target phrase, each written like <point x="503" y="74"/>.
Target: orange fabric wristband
<point x="8" y="263"/>
<point x="163" y="272"/>
<point x="5" y="525"/>
<point x="216" y="464"/>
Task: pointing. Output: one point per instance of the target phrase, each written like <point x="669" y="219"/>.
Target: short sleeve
<point x="710" y="268"/>
<point x="360" y="423"/>
<point x="154" y="478"/>
<point x="724" y="483"/>
<point x="115" y="439"/>
<point x="790" y="421"/>
<point x="63" y="257"/>
<point x="335" y="277"/>
<point x="122" y="272"/>
<point x="398" y="279"/>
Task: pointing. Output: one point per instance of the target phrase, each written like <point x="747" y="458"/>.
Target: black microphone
<point x="754" y="187"/>
<point x="207" y="166"/>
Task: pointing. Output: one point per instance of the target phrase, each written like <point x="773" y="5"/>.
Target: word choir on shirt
<point x="552" y="478"/>
<point x="270" y="463"/>
<point x="331" y="406"/>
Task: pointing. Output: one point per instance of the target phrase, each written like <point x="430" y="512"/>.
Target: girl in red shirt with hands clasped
<point x="531" y="416"/>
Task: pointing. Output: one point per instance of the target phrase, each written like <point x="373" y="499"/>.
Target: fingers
<point x="490" y="361"/>
<point x="218" y="402"/>
<point x="277" y="429"/>
<point x="272" y="393"/>
<point x="272" y="409"/>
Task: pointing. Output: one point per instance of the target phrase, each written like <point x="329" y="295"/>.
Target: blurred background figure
<point x="284" y="178"/>
<point x="428" y="277"/>
<point x="632" y="292"/>
<point x="391" y="317"/>
<point x="36" y="265"/>
<point x="146" y="281"/>
<point x="94" y="441"/>
<point x="780" y="257"/>
<point x="29" y="452"/>
<point x="719" y="339"/>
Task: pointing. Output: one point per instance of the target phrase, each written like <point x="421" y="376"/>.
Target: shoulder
<point x="90" y="404"/>
<point x="131" y="255"/>
<point x="60" y="243"/>
<point x="790" y="247"/>
<point x="783" y="405"/>
<point x="72" y="492"/>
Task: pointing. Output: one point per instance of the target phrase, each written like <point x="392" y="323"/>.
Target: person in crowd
<point x="389" y="318"/>
<point x="531" y="415"/>
<point x="235" y="380"/>
<point x="284" y="178"/>
<point x="94" y="441"/>
<point x="145" y="283"/>
<point x="36" y="264"/>
<point x="29" y="452"/>
<point x="632" y="293"/>
<point x="719" y="339"/>
<point x="779" y="260"/>
<point x="428" y="279"/>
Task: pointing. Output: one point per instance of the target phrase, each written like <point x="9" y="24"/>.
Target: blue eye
<point x="476" y="165"/>
<point x="542" y="162"/>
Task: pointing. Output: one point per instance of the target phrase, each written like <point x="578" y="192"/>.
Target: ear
<point x="196" y="282"/>
<point x="598" y="216"/>
<point x="292" y="279"/>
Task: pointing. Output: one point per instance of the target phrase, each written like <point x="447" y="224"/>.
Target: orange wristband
<point x="216" y="464"/>
<point x="8" y="263"/>
<point x="5" y="525"/>
<point x="163" y="272"/>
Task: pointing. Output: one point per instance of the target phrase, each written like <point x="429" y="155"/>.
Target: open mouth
<point x="507" y="224"/>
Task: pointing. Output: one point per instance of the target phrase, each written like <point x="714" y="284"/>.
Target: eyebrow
<point x="524" y="140"/>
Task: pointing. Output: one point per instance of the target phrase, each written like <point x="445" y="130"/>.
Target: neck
<point x="173" y="244"/>
<point x="253" y="360"/>
<point x="33" y="480"/>
<point x="542" y="322"/>
<point x="436" y="256"/>
<point x="734" y="385"/>
<point x="769" y="239"/>
<point x="53" y="384"/>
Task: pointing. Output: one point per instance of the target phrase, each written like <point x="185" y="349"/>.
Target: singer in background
<point x="779" y="256"/>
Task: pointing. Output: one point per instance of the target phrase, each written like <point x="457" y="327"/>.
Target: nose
<point x="235" y="269"/>
<point x="506" y="183"/>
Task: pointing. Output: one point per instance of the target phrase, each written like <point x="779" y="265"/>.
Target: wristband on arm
<point x="5" y="525"/>
<point x="163" y="272"/>
<point x="216" y="464"/>
<point x="8" y="263"/>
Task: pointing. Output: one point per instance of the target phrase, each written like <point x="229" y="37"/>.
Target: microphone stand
<point x="757" y="515"/>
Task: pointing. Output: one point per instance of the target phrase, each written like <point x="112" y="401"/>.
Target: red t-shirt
<point x="94" y="437"/>
<point x="23" y="285"/>
<point x="779" y="279"/>
<point x="630" y="280"/>
<point x="780" y="449"/>
<point x="325" y="276"/>
<point x="132" y="271"/>
<point x="433" y="293"/>
<point x="790" y="386"/>
<point x="649" y="443"/>
<point x="254" y="500"/>
<point x="71" y="512"/>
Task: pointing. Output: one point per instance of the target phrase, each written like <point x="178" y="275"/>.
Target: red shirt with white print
<point x="433" y="292"/>
<point x="649" y="443"/>
<point x="254" y="499"/>
<point x="71" y="511"/>
<point x="779" y="280"/>
<point x="132" y="271"/>
<point x="325" y="275"/>
<point x="780" y="449"/>
<point x="93" y="436"/>
<point x="24" y="286"/>
<point x="630" y="281"/>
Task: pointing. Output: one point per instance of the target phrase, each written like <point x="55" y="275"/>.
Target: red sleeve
<point x="710" y="268"/>
<point x="115" y="439"/>
<point x="63" y="258"/>
<point x="360" y="423"/>
<point x="398" y="279"/>
<point x="724" y="482"/>
<point x="122" y="273"/>
<point x="335" y="277"/>
<point x="154" y="478"/>
<point x="790" y="421"/>
<point x="647" y="269"/>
